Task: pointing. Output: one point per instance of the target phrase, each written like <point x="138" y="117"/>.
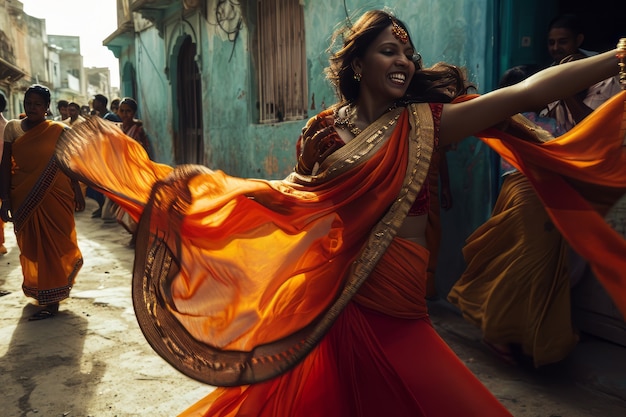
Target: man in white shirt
<point x="74" y="115"/>
<point x="565" y="36"/>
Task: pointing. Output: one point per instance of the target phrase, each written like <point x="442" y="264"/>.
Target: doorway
<point x="189" y="148"/>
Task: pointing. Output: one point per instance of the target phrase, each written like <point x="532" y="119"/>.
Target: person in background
<point x="515" y="287"/>
<point x="98" y="197"/>
<point x="513" y="76"/>
<point x="105" y="208"/>
<point x="74" y="115"/>
<point x="99" y="104"/>
<point x="306" y="296"/>
<point x="73" y="120"/>
<point x="41" y="201"/>
<point x="132" y="127"/>
<point x="63" y="110"/>
<point x="115" y="105"/>
<point x="519" y="268"/>
<point x="565" y="37"/>
<point x="85" y="110"/>
<point x="3" y="123"/>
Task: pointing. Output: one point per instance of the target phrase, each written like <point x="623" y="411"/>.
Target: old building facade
<point x="29" y="55"/>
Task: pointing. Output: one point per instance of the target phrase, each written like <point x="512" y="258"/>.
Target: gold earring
<point x="357" y="77"/>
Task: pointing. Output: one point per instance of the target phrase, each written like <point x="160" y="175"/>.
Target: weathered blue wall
<point x="154" y="93"/>
<point x="456" y="31"/>
<point x="236" y="144"/>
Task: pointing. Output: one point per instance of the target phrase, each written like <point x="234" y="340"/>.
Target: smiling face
<point x="35" y="107"/>
<point x="563" y="42"/>
<point x="386" y="68"/>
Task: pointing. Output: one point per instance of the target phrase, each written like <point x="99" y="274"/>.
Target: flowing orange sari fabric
<point x="375" y="361"/>
<point x="233" y="231"/>
<point x="563" y="170"/>
<point x="269" y="257"/>
<point x="42" y="199"/>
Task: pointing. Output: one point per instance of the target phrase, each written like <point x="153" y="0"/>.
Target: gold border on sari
<point x="156" y="266"/>
<point x="355" y="152"/>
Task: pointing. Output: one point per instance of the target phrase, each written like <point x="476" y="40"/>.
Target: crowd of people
<point x="307" y="296"/>
<point x="40" y="200"/>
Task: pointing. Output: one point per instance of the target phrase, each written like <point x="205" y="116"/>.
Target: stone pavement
<point x="92" y="360"/>
<point x="590" y="382"/>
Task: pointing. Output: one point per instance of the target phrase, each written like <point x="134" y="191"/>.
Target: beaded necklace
<point x="347" y="122"/>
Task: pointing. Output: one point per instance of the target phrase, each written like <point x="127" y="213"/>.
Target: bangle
<point x="621" y="56"/>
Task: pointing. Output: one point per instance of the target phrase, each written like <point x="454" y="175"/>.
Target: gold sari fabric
<point x="42" y="200"/>
<point x="578" y="177"/>
<point x="516" y="286"/>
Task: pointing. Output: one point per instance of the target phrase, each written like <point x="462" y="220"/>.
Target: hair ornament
<point x="398" y="32"/>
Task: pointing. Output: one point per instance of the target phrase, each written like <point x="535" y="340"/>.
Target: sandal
<point x="41" y="315"/>
<point x="502" y="352"/>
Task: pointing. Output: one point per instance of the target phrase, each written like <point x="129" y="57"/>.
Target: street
<point x="92" y="360"/>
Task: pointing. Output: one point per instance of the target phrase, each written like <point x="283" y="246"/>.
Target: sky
<point x="93" y="21"/>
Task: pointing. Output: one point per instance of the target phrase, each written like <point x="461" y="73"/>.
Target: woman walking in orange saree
<point x="40" y="200"/>
<point x="306" y="296"/>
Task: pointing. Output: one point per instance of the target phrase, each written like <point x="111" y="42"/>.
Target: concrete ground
<point x="92" y="359"/>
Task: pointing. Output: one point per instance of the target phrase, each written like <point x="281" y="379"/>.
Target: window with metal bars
<point x="281" y="61"/>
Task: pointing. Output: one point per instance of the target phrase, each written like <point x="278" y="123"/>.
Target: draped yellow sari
<point x="42" y="201"/>
<point x="516" y="286"/>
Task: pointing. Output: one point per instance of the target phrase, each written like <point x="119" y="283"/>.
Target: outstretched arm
<point x="460" y="120"/>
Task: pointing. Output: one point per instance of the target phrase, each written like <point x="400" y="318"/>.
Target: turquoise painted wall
<point x="462" y="32"/>
<point x="154" y="93"/>
<point x="523" y="32"/>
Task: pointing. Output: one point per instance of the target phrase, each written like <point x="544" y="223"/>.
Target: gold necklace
<point x="346" y="122"/>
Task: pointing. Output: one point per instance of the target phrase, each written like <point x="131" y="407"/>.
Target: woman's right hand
<point x="5" y="211"/>
<point x="315" y="149"/>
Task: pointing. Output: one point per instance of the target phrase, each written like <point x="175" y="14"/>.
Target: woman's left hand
<point x="79" y="198"/>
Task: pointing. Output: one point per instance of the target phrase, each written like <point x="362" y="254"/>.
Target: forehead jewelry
<point x="398" y="32"/>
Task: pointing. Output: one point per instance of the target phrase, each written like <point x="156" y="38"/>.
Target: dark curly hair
<point x="440" y="83"/>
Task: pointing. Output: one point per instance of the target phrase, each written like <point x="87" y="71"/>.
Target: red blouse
<point x="421" y="205"/>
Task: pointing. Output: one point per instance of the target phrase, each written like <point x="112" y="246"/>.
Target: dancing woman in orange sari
<point x="40" y="200"/>
<point x="306" y="296"/>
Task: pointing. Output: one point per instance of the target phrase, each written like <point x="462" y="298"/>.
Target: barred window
<point x="281" y="61"/>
